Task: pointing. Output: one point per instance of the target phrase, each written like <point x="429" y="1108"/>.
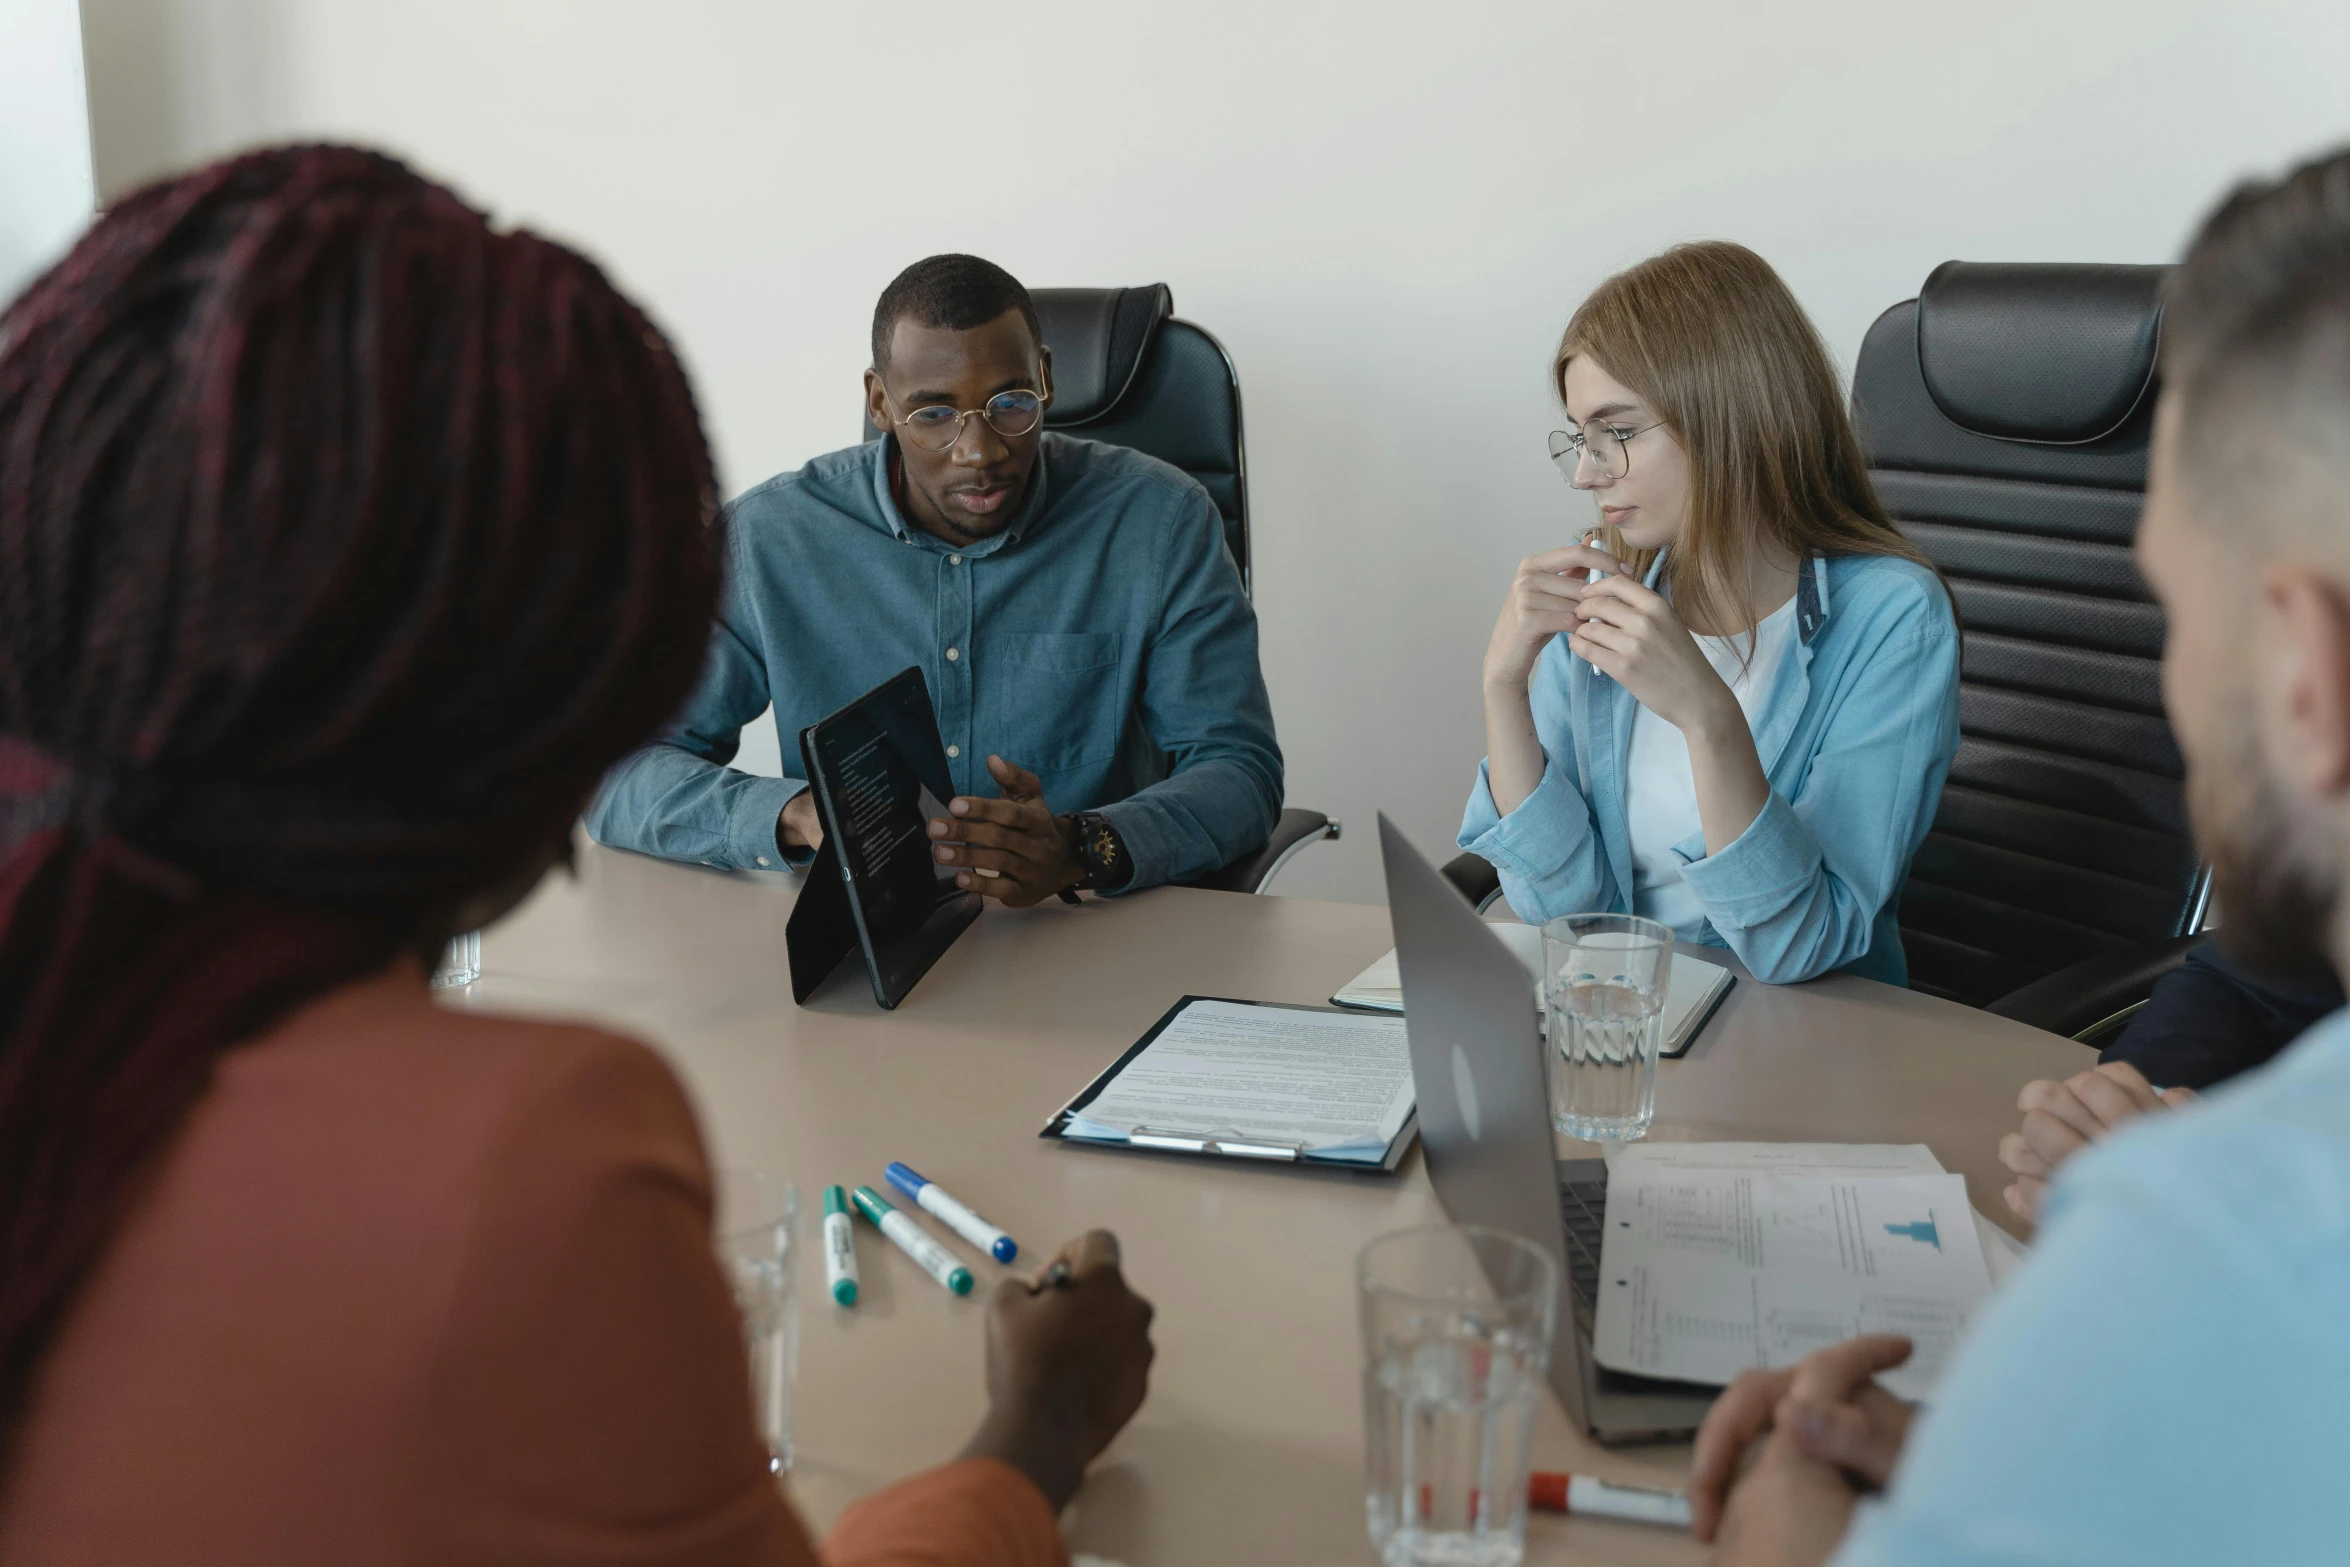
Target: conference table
<point x="1249" y="1448"/>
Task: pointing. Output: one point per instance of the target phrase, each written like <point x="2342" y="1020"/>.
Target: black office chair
<point x="2005" y="413"/>
<point x="1128" y="371"/>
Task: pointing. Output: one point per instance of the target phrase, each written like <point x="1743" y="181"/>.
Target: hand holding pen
<point x="1544" y="600"/>
<point x="1068" y="1362"/>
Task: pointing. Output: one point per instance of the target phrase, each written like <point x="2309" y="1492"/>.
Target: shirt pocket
<point x="1056" y="697"/>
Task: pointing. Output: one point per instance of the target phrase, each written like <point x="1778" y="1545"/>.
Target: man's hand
<point x="1017" y="838"/>
<point x="799" y="827"/>
<point x="2061" y="1119"/>
<point x="1789" y="1511"/>
<point x="1829" y="1407"/>
<point x="1068" y="1362"/>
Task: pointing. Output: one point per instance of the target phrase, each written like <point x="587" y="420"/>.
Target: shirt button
<point x="952" y="655"/>
<point x="762" y="861"/>
<point x="954" y="560"/>
<point x="954" y="750"/>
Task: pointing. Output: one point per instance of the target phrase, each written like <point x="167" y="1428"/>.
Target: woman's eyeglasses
<point x="1605" y="443"/>
<point x="935" y="427"/>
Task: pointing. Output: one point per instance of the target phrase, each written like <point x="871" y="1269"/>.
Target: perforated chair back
<point x="2006" y="413"/>
<point x="1128" y="371"/>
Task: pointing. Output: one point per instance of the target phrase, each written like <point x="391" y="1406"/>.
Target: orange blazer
<point x="417" y="1286"/>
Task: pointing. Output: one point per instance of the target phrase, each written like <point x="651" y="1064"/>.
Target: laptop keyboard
<point x="1585" y="1203"/>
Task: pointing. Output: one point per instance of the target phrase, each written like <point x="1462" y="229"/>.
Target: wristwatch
<point x="1101" y="853"/>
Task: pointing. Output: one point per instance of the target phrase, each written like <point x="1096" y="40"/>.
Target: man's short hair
<point x="953" y="292"/>
<point x="2261" y="306"/>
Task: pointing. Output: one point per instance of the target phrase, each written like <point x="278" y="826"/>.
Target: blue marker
<point x="932" y="1199"/>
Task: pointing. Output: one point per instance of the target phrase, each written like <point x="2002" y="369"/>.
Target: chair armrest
<point x="2080" y="996"/>
<point x="1251" y="872"/>
<point x="1474" y="878"/>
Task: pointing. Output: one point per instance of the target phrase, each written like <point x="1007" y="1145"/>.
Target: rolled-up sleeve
<point x="1548" y="851"/>
<point x="1204" y="702"/>
<point x="1799" y="891"/>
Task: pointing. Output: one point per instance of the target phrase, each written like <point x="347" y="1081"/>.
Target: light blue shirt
<point x="2167" y="1379"/>
<point x="1102" y="640"/>
<point x="1855" y="737"/>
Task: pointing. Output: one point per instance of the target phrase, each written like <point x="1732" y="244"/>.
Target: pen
<point x="1558" y="1493"/>
<point x="840" y="1247"/>
<point x="928" y="1255"/>
<point x="932" y="1198"/>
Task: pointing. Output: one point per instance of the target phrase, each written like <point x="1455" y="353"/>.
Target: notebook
<point x="1696" y="989"/>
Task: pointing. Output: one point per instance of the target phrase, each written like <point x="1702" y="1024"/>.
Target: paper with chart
<point x="1706" y="1272"/>
<point x="1334" y="1084"/>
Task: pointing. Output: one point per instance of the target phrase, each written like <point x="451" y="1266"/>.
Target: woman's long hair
<point x="1712" y="340"/>
<point x="344" y="542"/>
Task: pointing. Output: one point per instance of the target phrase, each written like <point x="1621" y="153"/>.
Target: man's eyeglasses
<point x="936" y="427"/>
<point x="1605" y="442"/>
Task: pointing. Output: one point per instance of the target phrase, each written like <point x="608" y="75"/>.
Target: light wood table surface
<point x="1250" y="1447"/>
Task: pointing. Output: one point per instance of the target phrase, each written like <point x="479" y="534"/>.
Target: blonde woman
<point x="1731" y="709"/>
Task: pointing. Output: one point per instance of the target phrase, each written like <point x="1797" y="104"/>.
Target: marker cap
<point x="844" y="1291"/>
<point x="836" y="1199"/>
<point x="871" y="1204"/>
<point x="960" y="1281"/>
<point x="1005" y="1248"/>
<point x="905" y="1180"/>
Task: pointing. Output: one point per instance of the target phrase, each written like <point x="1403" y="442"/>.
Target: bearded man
<point x="2164" y="1383"/>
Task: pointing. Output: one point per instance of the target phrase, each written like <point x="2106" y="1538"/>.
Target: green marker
<point x="840" y="1247"/>
<point x="914" y="1241"/>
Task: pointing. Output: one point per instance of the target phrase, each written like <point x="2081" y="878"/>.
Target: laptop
<point x="1477" y="1067"/>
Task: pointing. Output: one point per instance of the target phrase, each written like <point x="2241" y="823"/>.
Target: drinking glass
<point x="460" y="962"/>
<point x="1603" y="982"/>
<point x="1457" y="1323"/>
<point x="758" y="1234"/>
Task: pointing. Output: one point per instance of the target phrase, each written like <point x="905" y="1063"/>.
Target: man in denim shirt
<point x="1089" y="649"/>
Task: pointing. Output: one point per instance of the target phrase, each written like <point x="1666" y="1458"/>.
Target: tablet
<point x="879" y="773"/>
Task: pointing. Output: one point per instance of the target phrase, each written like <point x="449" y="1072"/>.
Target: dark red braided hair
<point x="344" y="542"/>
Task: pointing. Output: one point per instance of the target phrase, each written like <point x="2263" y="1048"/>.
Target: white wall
<point x="46" y="183"/>
<point x="1386" y="211"/>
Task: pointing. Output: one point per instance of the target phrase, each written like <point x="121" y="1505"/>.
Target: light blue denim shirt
<point x="1855" y="736"/>
<point x="1102" y="641"/>
<point x="2163" y="1382"/>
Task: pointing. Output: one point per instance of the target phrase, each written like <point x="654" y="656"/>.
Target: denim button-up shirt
<point x="1855" y="738"/>
<point x="1102" y="641"/>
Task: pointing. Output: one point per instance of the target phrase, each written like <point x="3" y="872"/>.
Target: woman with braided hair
<point x="344" y="542"/>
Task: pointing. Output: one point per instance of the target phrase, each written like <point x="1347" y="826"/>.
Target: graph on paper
<point x="1705" y="1273"/>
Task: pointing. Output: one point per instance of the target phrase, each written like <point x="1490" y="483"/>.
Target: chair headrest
<point x="2055" y="353"/>
<point x="1098" y="337"/>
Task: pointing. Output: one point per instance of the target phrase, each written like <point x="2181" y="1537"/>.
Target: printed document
<point x="1334" y="1084"/>
<point x="1772" y="1252"/>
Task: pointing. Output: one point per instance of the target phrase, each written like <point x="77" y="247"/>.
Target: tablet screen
<point x="881" y="776"/>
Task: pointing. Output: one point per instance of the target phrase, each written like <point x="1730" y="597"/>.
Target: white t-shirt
<point x="1660" y="804"/>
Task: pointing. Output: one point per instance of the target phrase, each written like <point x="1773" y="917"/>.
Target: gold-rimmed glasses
<point x="935" y="427"/>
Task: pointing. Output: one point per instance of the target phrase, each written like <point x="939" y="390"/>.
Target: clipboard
<point x="1145" y="1140"/>
<point x="878" y="770"/>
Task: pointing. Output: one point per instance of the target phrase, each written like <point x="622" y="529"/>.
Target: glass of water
<point x="1604" y="978"/>
<point x="460" y="962"/>
<point x="758" y="1233"/>
<point x="1456" y="1339"/>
